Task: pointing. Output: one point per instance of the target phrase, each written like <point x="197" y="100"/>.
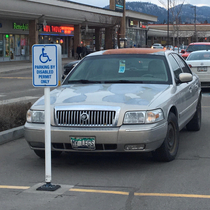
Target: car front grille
<point x="85" y="117"/>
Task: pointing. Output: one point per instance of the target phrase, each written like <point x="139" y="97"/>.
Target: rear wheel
<point x="195" y="123"/>
<point x="168" y="150"/>
<point x="41" y="153"/>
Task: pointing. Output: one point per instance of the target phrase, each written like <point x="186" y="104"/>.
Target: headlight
<point x="140" y="117"/>
<point x="35" y="116"/>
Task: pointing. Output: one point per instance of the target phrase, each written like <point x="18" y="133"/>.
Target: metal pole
<point x="196" y="38"/>
<point x="168" y="26"/>
<point x="48" y="171"/>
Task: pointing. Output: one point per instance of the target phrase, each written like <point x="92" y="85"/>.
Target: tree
<point x="175" y="8"/>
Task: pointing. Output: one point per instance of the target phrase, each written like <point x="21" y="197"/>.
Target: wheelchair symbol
<point x="44" y="58"/>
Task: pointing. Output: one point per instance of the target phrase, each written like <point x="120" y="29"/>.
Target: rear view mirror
<point x="182" y="51"/>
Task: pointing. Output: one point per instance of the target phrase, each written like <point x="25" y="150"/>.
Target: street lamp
<point x="196" y="38"/>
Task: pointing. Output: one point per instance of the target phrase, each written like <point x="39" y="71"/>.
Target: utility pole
<point x="196" y="38"/>
<point x="168" y="26"/>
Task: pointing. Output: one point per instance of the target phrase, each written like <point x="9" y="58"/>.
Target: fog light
<point x="135" y="147"/>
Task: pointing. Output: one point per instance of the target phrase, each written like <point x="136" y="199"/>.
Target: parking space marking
<point x="15" y="100"/>
<point x="117" y="192"/>
<point x="14" y="187"/>
<point x="100" y="191"/>
<point x="172" y="195"/>
<point x="15" y="77"/>
<point x="142" y="194"/>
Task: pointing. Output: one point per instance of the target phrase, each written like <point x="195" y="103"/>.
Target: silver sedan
<point x="120" y="100"/>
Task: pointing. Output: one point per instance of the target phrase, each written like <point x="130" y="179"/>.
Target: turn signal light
<point x="190" y="65"/>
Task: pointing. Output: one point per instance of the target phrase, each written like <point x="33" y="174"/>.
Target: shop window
<point x="1" y="45"/>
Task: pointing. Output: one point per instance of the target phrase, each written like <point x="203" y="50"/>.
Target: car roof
<point x="200" y="43"/>
<point x="127" y="51"/>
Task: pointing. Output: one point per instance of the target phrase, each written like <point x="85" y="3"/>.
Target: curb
<point x="11" y="134"/>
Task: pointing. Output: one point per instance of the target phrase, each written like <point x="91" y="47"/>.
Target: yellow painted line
<point x="100" y="191"/>
<point x="15" y="77"/>
<point x="142" y="194"/>
<point x="14" y="187"/>
<point x="172" y="195"/>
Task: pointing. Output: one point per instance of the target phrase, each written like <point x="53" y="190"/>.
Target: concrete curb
<point x="11" y="134"/>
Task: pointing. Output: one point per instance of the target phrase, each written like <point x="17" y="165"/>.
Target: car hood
<point x="121" y="95"/>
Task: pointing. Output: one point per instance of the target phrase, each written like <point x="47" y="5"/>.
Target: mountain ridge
<point x="187" y="14"/>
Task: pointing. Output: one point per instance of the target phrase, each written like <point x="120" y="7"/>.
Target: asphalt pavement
<point x="16" y="133"/>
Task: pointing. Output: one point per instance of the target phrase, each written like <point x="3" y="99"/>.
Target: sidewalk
<point x="21" y="65"/>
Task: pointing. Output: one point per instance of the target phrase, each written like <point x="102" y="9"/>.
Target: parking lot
<point x="110" y="181"/>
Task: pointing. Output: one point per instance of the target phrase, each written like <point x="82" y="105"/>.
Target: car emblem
<point x="84" y="116"/>
<point x="201" y="64"/>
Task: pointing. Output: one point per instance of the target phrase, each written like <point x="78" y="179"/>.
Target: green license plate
<point x="83" y="143"/>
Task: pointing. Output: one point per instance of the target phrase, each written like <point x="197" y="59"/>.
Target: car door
<point x="181" y="93"/>
<point x="193" y="88"/>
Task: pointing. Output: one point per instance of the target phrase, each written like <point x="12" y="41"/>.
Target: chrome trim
<point x="99" y="116"/>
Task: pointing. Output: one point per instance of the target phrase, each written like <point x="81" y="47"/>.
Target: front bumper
<point x="110" y="139"/>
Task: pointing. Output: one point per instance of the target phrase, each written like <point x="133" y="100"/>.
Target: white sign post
<point x="46" y="68"/>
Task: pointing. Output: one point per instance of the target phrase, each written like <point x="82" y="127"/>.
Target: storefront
<point x="14" y="39"/>
<point x="63" y="35"/>
<point x="136" y="33"/>
<point x="14" y="43"/>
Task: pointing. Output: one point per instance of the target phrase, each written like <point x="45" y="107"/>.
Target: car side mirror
<point x="182" y="51"/>
<point x="185" y="77"/>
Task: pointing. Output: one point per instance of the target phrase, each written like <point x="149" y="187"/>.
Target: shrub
<point x="13" y="115"/>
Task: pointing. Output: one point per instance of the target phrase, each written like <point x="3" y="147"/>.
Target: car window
<point x="183" y="65"/>
<point x="192" y="48"/>
<point x="175" y="67"/>
<point x="122" y="68"/>
<point x="199" y="56"/>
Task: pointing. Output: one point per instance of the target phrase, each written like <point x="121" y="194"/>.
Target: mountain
<point x="187" y="14"/>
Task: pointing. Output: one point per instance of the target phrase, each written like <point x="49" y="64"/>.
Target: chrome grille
<point x="85" y="117"/>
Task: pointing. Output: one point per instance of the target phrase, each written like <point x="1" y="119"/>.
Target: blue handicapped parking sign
<point x="45" y="65"/>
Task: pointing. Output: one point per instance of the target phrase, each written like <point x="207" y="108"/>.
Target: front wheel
<point x="168" y="150"/>
<point x="41" y="153"/>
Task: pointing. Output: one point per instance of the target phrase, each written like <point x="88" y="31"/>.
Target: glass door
<point x="6" y="47"/>
<point x="12" y="47"/>
<point x="1" y="47"/>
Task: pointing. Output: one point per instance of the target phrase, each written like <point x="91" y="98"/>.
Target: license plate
<point x="202" y="69"/>
<point x="83" y="143"/>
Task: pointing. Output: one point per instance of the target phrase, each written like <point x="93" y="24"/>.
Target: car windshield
<point x="121" y="69"/>
<point x="199" y="56"/>
<point x="192" y="48"/>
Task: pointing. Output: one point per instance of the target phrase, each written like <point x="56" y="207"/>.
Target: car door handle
<point x="190" y="89"/>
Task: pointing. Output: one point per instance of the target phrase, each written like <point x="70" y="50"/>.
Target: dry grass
<point x="13" y="115"/>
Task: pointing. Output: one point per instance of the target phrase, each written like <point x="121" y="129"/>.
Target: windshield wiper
<point x="84" y="81"/>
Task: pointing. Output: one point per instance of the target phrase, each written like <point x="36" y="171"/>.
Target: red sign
<point x="58" y="29"/>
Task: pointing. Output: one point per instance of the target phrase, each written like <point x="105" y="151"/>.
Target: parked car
<point x="195" y="47"/>
<point x="120" y="100"/>
<point x="68" y="67"/>
<point x="157" y="46"/>
<point x="199" y="62"/>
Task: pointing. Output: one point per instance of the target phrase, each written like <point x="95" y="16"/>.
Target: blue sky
<point x="102" y="3"/>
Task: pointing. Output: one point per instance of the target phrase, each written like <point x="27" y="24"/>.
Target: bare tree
<point x="175" y="11"/>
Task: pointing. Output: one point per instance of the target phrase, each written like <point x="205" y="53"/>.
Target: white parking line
<point x="15" y="100"/>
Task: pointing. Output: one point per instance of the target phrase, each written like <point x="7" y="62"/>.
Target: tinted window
<point x="199" y="56"/>
<point x="192" y="48"/>
<point x="183" y="65"/>
<point x="175" y="67"/>
<point x="121" y="69"/>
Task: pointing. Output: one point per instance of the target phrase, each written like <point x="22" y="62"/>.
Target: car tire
<point x="169" y="148"/>
<point x="195" y="122"/>
<point x="41" y="153"/>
